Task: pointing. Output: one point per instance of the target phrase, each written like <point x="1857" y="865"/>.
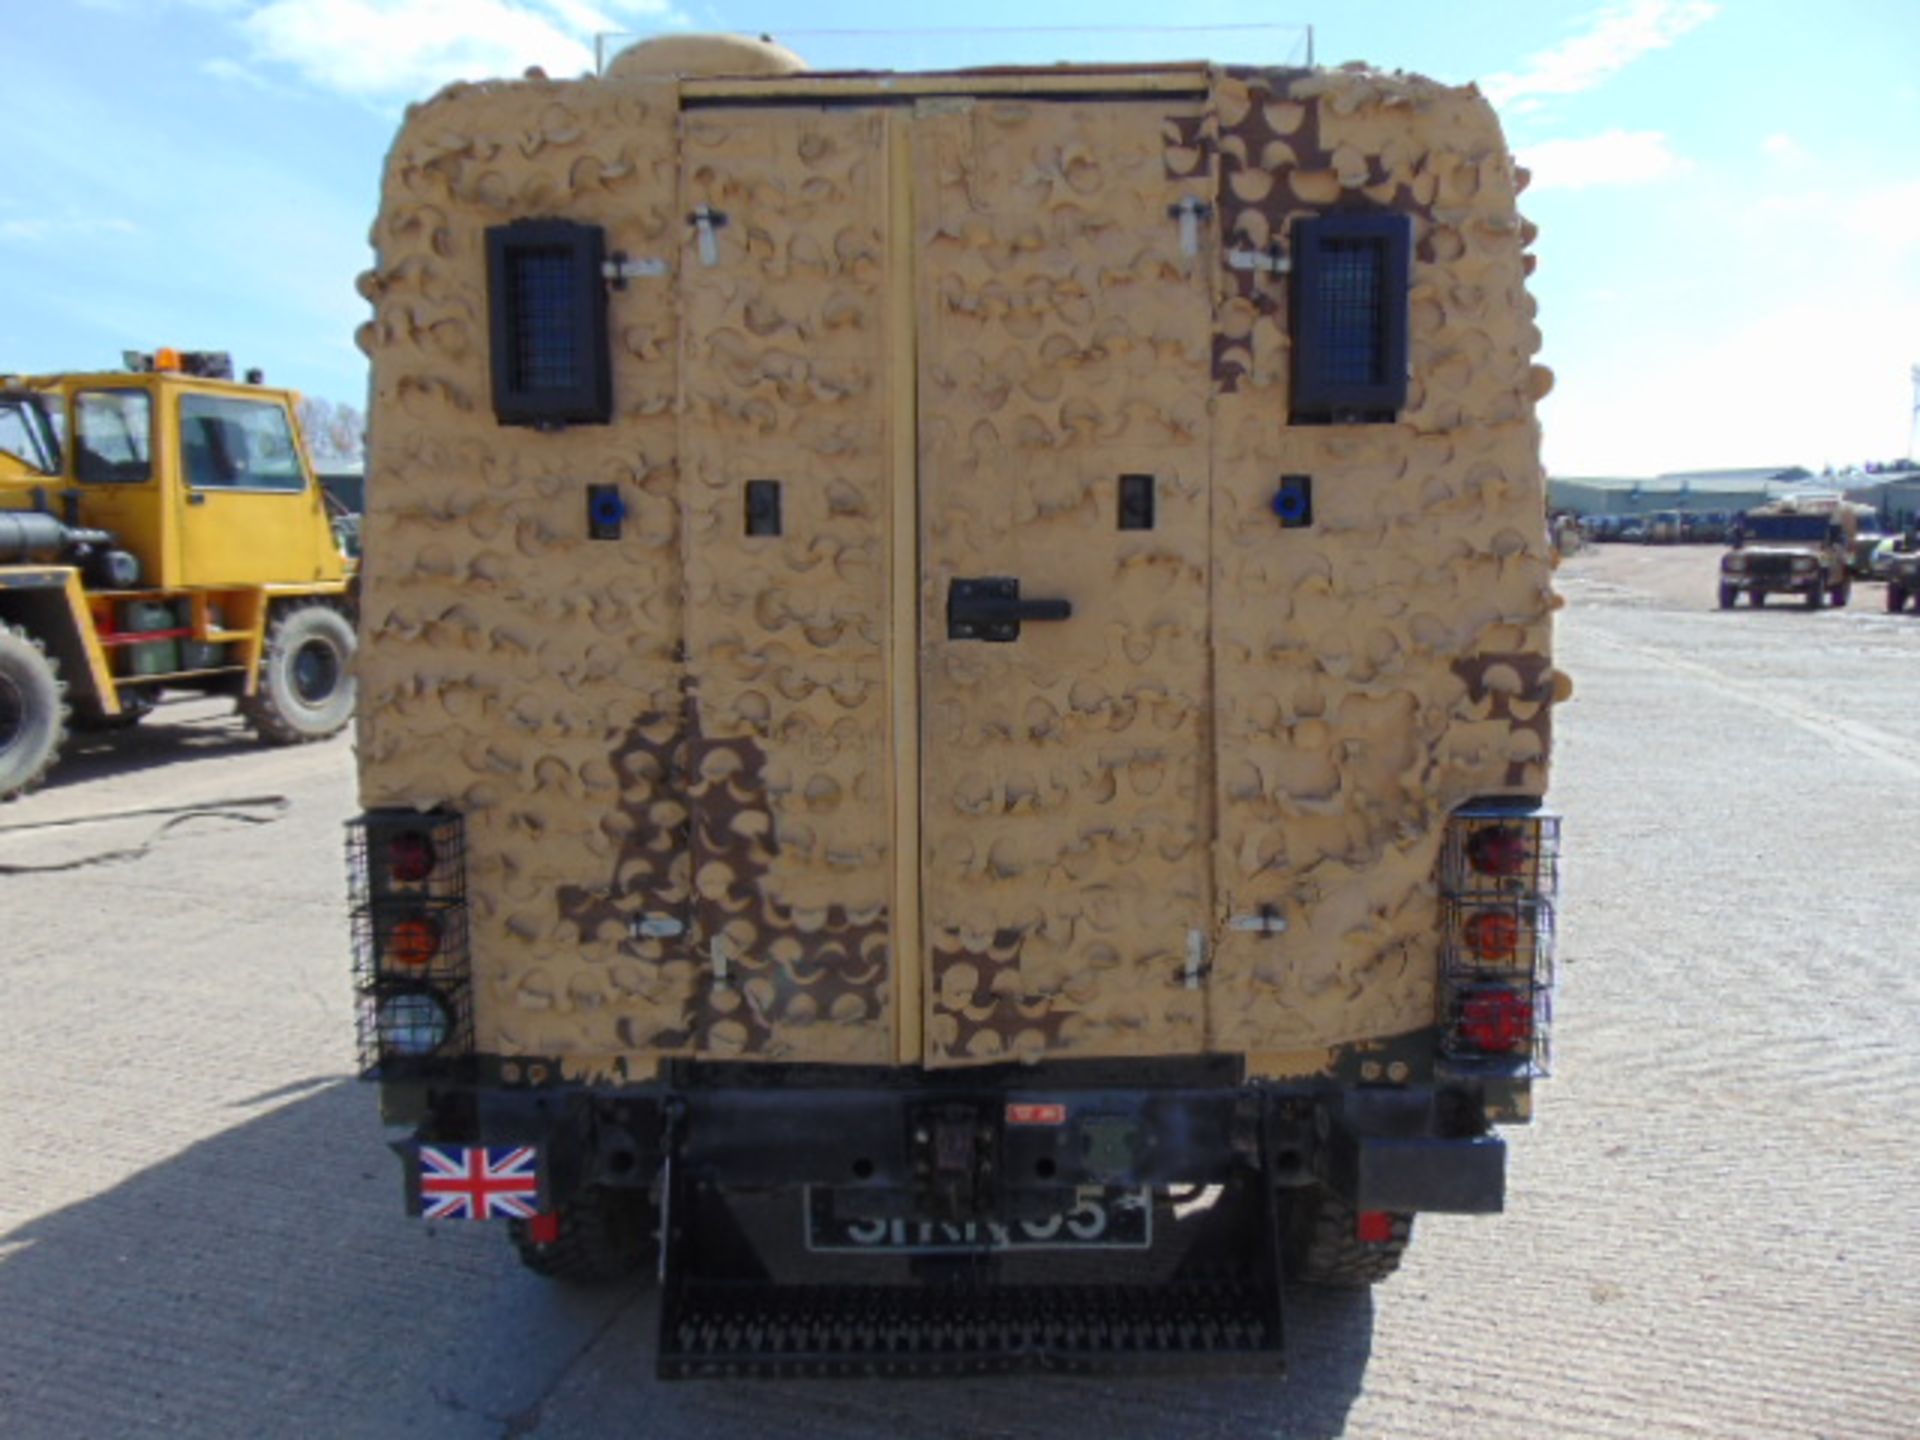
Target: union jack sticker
<point x="461" y="1182"/>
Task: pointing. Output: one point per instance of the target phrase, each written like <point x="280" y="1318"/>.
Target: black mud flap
<point x="762" y="1285"/>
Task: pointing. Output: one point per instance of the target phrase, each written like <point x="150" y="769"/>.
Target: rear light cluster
<point x="411" y="970"/>
<point x="1499" y="882"/>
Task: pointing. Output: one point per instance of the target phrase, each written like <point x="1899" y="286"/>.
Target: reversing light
<point x="414" y="940"/>
<point x="1497" y="850"/>
<point x="413" y="1023"/>
<point x="1496" y="1021"/>
<point x="410" y="856"/>
<point x="1493" y="936"/>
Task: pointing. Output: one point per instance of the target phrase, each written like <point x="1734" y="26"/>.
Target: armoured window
<point x="548" y="309"/>
<point x="1351" y="278"/>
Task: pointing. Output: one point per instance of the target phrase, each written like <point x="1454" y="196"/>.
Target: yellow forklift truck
<point x="162" y="532"/>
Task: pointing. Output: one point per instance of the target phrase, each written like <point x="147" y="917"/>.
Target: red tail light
<point x="1496" y="1021"/>
<point x="1373" y="1227"/>
<point x="1497" y="850"/>
<point x="410" y="856"/>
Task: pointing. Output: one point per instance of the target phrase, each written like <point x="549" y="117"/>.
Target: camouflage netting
<point x="677" y="752"/>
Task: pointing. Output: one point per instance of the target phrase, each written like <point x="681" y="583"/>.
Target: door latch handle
<point x="991" y="609"/>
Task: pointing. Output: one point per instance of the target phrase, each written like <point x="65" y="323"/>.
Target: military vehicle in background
<point x="161" y="533"/>
<point x="956" y="694"/>
<point x="1798" y="545"/>
<point x="1902" y="572"/>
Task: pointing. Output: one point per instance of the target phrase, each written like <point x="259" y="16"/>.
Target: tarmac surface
<point x="1710" y="1230"/>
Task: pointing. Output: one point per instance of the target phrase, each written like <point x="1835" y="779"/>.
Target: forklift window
<point x="112" y="436"/>
<point x="25" y="434"/>
<point x="234" y="444"/>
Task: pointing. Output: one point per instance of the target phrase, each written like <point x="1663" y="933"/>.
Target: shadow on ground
<point x="264" y="1281"/>
<point x="171" y="735"/>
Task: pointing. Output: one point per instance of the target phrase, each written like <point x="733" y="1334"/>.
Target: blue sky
<point x="1728" y="191"/>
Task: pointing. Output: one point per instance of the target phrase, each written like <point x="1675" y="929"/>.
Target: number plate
<point x="1097" y="1220"/>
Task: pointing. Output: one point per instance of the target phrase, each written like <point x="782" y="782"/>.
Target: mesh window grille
<point x="547" y="313"/>
<point x="1352" y="279"/>
<point x="1352" y="331"/>
<point x="546" y="345"/>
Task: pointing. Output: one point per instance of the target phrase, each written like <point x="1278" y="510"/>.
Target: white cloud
<point x="65" y="227"/>
<point x="1613" y="40"/>
<point x="1618" y="157"/>
<point x="234" y="73"/>
<point x="1889" y="214"/>
<point x="1816" y="381"/>
<point x="1785" y="149"/>
<point x="406" y="49"/>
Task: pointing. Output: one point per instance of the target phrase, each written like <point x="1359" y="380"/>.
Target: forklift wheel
<point x="33" y="712"/>
<point x="306" y="677"/>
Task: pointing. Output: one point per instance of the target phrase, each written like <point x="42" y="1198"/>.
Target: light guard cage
<point x="390" y="916"/>
<point x="1529" y="900"/>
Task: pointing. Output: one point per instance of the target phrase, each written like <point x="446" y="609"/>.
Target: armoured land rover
<point x="1903" y="574"/>
<point x="1801" y="545"/>
<point x="956" y="693"/>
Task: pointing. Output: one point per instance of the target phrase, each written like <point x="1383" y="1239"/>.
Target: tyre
<point x="1816" y="594"/>
<point x="1896" y="599"/>
<point x="1322" y="1244"/>
<point x="306" y="677"/>
<point x="1756" y="598"/>
<point x="1728" y="596"/>
<point x="33" y="712"/>
<point x="604" y="1234"/>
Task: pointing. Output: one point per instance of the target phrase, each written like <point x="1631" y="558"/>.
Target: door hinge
<point x="1190" y="212"/>
<point x="622" y="268"/>
<point x="1196" y="958"/>
<point x="707" y="221"/>
<point x="1269" y="261"/>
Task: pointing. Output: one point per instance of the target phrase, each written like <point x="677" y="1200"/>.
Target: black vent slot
<point x="547" y="304"/>
<point x="1352" y="275"/>
<point x="1136" y="502"/>
<point x="763" y="507"/>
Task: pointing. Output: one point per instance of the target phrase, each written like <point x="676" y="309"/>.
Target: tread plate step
<point x="712" y="1329"/>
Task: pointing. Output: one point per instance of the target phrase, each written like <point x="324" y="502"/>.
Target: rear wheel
<point x="1756" y="598"/>
<point x="1324" y="1245"/>
<point x="601" y="1234"/>
<point x="306" y="677"/>
<point x="33" y="712"/>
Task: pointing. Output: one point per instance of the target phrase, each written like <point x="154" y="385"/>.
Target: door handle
<point x="194" y="497"/>
<point x="991" y="609"/>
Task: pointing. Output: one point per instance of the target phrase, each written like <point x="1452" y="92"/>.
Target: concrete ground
<point x="200" y="1233"/>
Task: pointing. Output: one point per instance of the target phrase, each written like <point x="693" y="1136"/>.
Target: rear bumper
<point x="1008" y="1144"/>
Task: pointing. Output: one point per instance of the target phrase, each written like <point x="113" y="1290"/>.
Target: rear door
<point x="1064" y="342"/>
<point x="787" y="473"/>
